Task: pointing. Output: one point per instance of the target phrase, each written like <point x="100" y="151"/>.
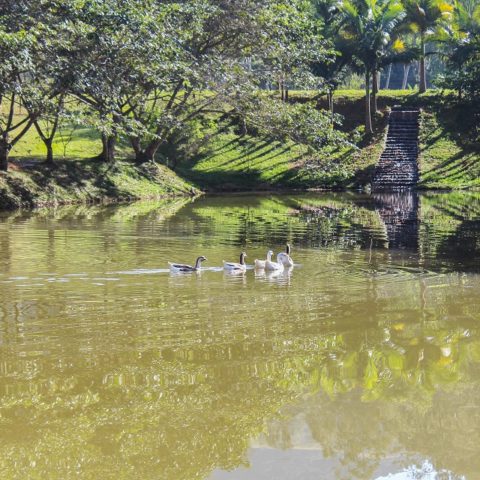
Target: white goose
<point x="260" y="264"/>
<point x="179" y="267"/>
<point x="237" y="267"/>
<point x="274" y="266"/>
<point x="285" y="257"/>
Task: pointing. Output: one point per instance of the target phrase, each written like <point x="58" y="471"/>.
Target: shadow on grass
<point x="33" y="182"/>
<point x="457" y="160"/>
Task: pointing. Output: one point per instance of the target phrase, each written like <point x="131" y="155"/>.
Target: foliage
<point x="425" y="16"/>
<point x="462" y="50"/>
<point x="143" y="70"/>
<point x="300" y="123"/>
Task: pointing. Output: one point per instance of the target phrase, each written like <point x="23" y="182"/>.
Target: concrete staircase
<point x="397" y="168"/>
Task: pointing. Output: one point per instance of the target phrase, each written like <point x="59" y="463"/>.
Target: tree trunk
<point x="331" y="106"/>
<point x="368" y="114"/>
<point x="108" y="150"/>
<point x="406" y="71"/>
<point x="286" y="94"/>
<point x="48" y="144"/>
<point x="148" y="154"/>
<point x="389" y="75"/>
<point x="137" y="148"/>
<point x="330" y="103"/>
<point x="423" y="72"/>
<point x="374" y="91"/>
<point x="4" y="151"/>
<point x="244" y="130"/>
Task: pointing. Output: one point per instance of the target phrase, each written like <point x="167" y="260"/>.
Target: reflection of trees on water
<point x="463" y="248"/>
<point x="437" y="236"/>
<point x="305" y="220"/>
<point x="47" y="239"/>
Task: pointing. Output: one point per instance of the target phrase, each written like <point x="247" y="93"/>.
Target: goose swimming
<point x="239" y="267"/>
<point x="285" y="258"/>
<point x="273" y="266"/>
<point x="260" y="264"/>
<point x="179" y="267"/>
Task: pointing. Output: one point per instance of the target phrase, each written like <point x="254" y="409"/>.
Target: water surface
<point x="362" y="362"/>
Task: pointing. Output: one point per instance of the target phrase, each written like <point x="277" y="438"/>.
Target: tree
<point x="368" y="26"/>
<point x="462" y="50"/>
<point x="46" y="92"/>
<point x="220" y="54"/>
<point x="424" y="17"/>
<point x="295" y="41"/>
<point x="332" y="68"/>
<point x="16" y="70"/>
<point x="106" y="53"/>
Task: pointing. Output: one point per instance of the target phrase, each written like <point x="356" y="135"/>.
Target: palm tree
<point x="462" y="47"/>
<point x="369" y="26"/>
<point x="466" y="18"/>
<point x="332" y="69"/>
<point x="424" y="16"/>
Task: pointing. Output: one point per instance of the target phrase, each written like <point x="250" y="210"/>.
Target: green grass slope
<point x="33" y="184"/>
<point x="234" y="163"/>
<point x="449" y="151"/>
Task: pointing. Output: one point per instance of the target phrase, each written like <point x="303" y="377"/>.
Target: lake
<point x="361" y="362"/>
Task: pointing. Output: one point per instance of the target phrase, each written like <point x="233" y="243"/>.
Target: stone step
<point x="389" y="179"/>
<point x="401" y="148"/>
<point x="402" y="131"/>
<point x="402" y="140"/>
<point x="397" y="176"/>
<point x="391" y="173"/>
<point x="400" y="152"/>
<point x="407" y="135"/>
<point x="404" y="149"/>
<point x="390" y="162"/>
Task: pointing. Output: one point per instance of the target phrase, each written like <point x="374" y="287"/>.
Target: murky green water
<point x="363" y="361"/>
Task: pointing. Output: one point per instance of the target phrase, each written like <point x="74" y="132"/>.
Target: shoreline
<point x="125" y="200"/>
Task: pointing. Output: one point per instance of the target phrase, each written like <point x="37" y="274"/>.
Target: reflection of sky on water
<point x="310" y="464"/>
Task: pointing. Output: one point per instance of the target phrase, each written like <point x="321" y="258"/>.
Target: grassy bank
<point x="450" y="153"/>
<point x="33" y="184"/>
<point x="232" y="162"/>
